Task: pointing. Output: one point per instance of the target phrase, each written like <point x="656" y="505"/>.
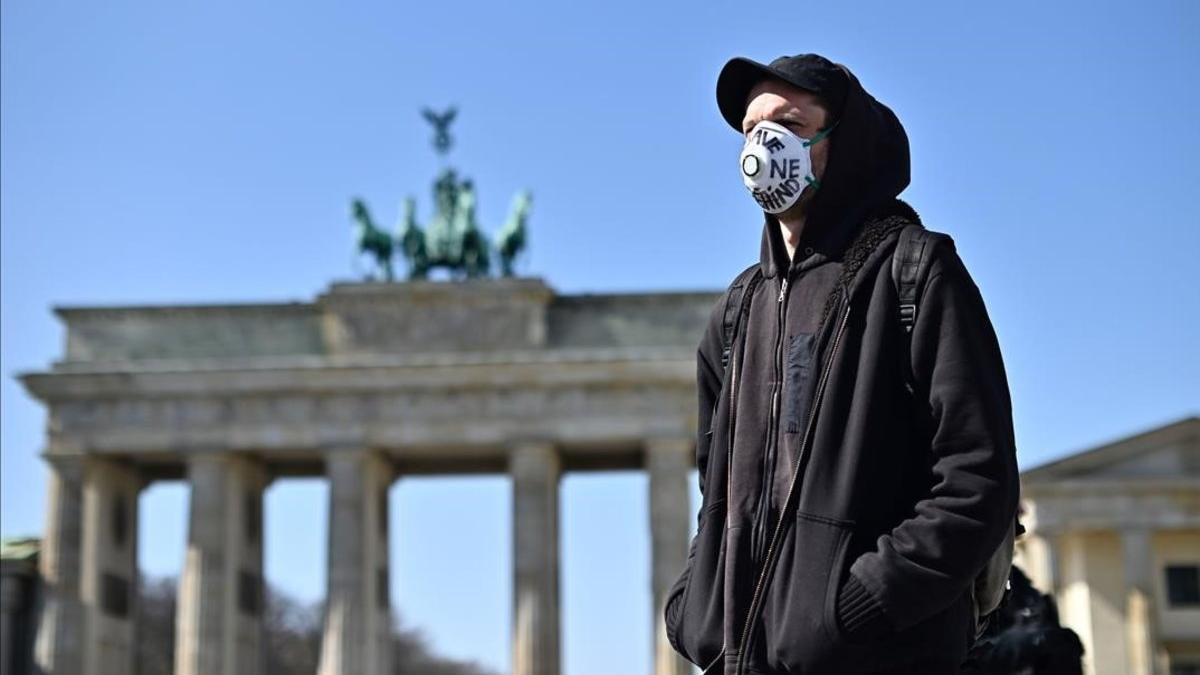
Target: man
<point x="844" y="518"/>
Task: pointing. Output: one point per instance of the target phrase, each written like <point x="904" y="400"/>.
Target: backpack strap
<point x="733" y="304"/>
<point x="910" y="268"/>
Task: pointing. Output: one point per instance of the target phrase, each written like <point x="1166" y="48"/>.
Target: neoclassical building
<point x="1113" y="533"/>
<point x="373" y="381"/>
<point x="369" y="382"/>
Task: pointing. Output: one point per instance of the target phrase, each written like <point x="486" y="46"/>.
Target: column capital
<point x="68" y="467"/>
<point x="207" y="461"/>
<point x="343" y="446"/>
<point x="669" y="452"/>
<point x="121" y="471"/>
<point x="534" y="458"/>
<point x="668" y="442"/>
<point x="533" y="445"/>
<point x="347" y="456"/>
<point x="251" y="465"/>
<point x="342" y="437"/>
<point x="349" y="450"/>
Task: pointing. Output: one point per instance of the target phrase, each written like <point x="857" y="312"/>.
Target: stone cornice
<point x="1113" y="487"/>
<point x="444" y="421"/>
<point x="369" y="319"/>
<point x="664" y="366"/>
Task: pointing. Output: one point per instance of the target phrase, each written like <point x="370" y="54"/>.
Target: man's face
<point x="798" y="110"/>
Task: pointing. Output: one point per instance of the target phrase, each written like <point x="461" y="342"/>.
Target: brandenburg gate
<point x="370" y="382"/>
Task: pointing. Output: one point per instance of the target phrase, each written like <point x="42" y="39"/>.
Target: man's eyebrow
<point x="786" y="116"/>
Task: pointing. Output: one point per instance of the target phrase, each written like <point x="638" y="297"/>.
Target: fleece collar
<point x="828" y="243"/>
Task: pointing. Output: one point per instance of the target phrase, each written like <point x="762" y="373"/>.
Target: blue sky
<point x="165" y="153"/>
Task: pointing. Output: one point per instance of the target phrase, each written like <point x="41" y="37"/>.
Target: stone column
<point x="358" y="618"/>
<point x="1053" y="563"/>
<point x="218" y="625"/>
<point x="1040" y="558"/>
<point x="668" y="461"/>
<point x="1141" y="614"/>
<point x="108" y="585"/>
<point x="535" y="469"/>
<point x="59" y="642"/>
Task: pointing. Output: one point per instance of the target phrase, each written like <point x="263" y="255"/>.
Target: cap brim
<point x="736" y="80"/>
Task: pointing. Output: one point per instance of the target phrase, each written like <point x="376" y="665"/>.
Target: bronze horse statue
<point x="453" y="239"/>
<point x="371" y="239"/>
<point x="412" y="241"/>
<point x="511" y="238"/>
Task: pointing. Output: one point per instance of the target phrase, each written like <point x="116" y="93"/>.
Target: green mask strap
<point x="821" y="135"/>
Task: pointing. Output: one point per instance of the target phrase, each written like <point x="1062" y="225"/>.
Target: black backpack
<point x="910" y="268"/>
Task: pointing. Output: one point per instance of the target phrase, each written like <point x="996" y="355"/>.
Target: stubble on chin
<point x="796" y="212"/>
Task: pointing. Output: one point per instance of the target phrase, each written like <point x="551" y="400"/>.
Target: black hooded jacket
<point x="896" y="500"/>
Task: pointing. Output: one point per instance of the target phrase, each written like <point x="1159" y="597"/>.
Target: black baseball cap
<point x="806" y="71"/>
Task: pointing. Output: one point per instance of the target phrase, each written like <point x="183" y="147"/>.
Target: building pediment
<point x="1167" y="453"/>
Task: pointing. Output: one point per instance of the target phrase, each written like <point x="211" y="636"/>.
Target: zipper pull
<point x="783" y="289"/>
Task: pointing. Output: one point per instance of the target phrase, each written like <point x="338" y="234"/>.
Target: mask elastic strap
<point x="822" y="134"/>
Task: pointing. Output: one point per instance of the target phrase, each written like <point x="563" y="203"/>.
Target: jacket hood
<point x="868" y="166"/>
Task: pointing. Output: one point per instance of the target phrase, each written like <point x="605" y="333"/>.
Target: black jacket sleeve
<point x="708" y="384"/>
<point x="926" y="561"/>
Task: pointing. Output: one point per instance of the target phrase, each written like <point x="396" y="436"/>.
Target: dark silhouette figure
<point x="1024" y="637"/>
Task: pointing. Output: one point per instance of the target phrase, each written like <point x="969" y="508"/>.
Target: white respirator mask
<point x="776" y="165"/>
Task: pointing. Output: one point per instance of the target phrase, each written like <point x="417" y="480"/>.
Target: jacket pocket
<point x="800" y="596"/>
<point x="798" y="376"/>
<point x="946" y="633"/>
<point x="694" y="608"/>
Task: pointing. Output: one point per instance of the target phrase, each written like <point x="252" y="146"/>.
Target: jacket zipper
<point x="808" y="429"/>
<point x="768" y="473"/>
